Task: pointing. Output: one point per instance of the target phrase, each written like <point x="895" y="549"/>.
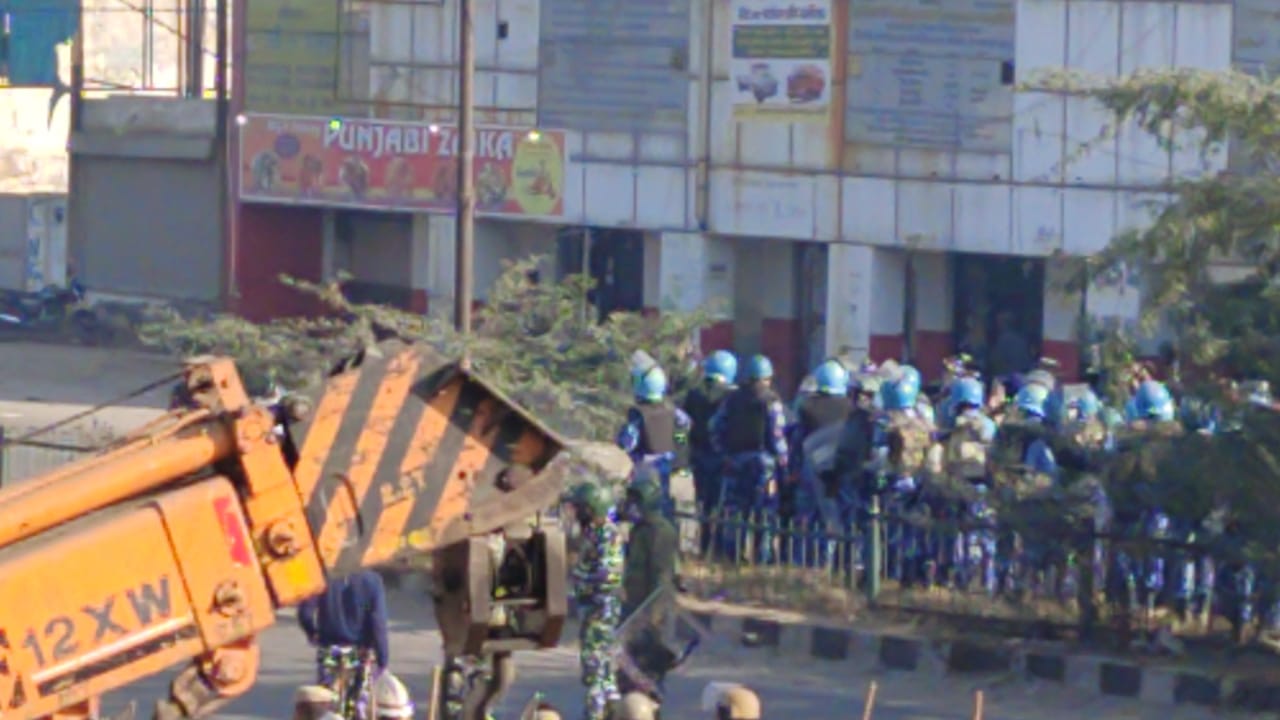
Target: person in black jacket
<point x="853" y="486"/>
<point x="347" y="624"/>
<point x="813" y="445"/>
<point x="701" y="404"/>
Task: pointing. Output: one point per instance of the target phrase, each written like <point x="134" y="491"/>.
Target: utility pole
<point x="465" y="224"/>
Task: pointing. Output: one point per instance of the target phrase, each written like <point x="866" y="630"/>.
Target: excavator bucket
<point x="405" y="452"/>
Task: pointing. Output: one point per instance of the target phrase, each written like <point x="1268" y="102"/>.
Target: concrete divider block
<point x="1257" y="695"/>
<point x="1121" y="679"/>
<point x="967" y="656"/>
<point x="760" y="633"/>
<point x="834" y="644"/>
<point x="899" y="653"/>
<point x="1158" y="685"/>
<point x="1082" y="672"/>
<point x="1045" y="665"/>
<point x="1195" y="689"/>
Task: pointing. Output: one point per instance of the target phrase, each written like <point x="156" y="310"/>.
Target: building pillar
<point x="1061" y="323"/>
<point x="888" y="272"/>
<point x="695" y="271"/>
<point x="433" y="264"/>
<point x="765" y="306"/>
<point x="849" y="300"/>
<point x="932" y="337"/>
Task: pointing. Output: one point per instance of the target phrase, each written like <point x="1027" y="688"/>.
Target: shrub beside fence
<point x="1078" y="580"/>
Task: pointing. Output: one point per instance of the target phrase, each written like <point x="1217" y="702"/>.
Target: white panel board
<point x="1093" y="37"/>
<point x="870" y="211"/>
<point x="982" y="166"/>
<point x="723" y="131"/>
<point x="1093" y="46"/>
<point x="888" y="291"/>
<point x="1147" y="42"/>
<point x="849" y="298"/>
<point x="391" y="33"/>
<point x="609" y="146"/>
<point x="1039" y="119"/>
<point x="1089" y="220"/>
<point x="609" y="194"/>
<point x="435" y="34"/>
<point x="764" y="144"/>
<point x="1136" y="210"/>
<point x="811" y="147"/>
<point x="682" y="277"/>
<point x="1204" y="40"/>
<point x="1037" y="220"/>
<point x="763" y="204"/>
<point x="519" y="50"/>
<point x="1038" y="133"/>
<point x="826" y="207"/>
<point x="924" y="214"/>
<point x="983" y="218"/>
<point x="1041" y="36"/>
<point x="660" y="195"/>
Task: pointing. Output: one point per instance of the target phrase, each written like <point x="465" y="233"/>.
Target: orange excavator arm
<point x="179" y="544"/>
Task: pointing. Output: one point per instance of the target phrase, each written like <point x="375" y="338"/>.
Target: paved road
<point x="789" y="689"/>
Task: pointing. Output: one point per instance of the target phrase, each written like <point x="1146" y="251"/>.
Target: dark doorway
<point x="811" y="304"/>
<point x="999" y="310"/>
<point x="615" y="259"/>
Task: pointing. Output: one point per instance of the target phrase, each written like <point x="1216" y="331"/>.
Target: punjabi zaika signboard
<point x="399" y="166"/>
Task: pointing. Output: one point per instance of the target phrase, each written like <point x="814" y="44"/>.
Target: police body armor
<point x="748" y="411"/>
<point x="658" y="429"/>
<point x="701" y="405"/>
<point x="658" y="437"/>
<point x="823" y="418"/>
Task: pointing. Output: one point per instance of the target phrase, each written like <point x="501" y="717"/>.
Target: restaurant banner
<point x="384" y="165"/>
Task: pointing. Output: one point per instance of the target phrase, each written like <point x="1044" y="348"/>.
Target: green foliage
<point x="1208" y="217"/>
<point x="1227" y="323"/>
<point x="540" y="342"/>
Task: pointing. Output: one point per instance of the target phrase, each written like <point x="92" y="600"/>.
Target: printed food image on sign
<point x="377" y="164"/>
<point x="781" y="63"/>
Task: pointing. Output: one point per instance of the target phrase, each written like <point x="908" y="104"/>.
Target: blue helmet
<point x="832" y="378"/>
<point x="967" y="391"/>
<point x="1085" y="406"/>
<point x="1032" y="399"/>
<point x="759" y="368"/>
<point x="651" y="385"/>
<point x="722" y="366"/>
<point x="910" y="377"/>
<point x="1153" y="401"/>
<point x="898" y="394"/>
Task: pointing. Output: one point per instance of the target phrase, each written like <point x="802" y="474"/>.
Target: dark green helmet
<point x="645" y="490"/>
<point x="590" y="498"/>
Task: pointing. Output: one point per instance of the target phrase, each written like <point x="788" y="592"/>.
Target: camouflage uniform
<point x="598" y="577"/>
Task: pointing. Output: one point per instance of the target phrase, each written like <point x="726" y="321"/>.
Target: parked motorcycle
<point x="54" y="310"/>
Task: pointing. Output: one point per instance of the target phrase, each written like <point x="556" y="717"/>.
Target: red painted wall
<point x="886" y="347"/>
<point x="1068" y="356"/>
<point x="277" y="240"/>
<point x="780" y="341"/>
<point x="932" y="347"/>
<point x="718" y="336"/>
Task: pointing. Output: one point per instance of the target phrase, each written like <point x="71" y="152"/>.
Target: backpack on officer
<point x="966" y="455"/>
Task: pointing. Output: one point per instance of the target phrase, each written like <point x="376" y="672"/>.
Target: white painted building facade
<point x="828" y="232"/>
